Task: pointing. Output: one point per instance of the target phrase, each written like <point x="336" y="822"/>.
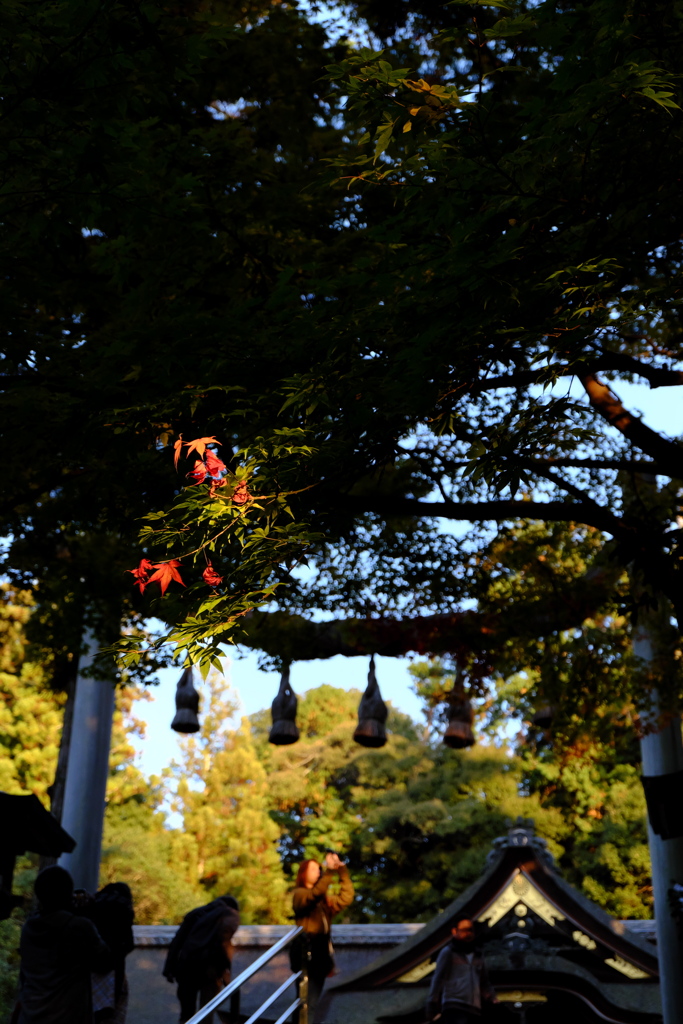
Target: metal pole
<point x="303" y="983"/>
<point x="235" y="1000"/>
<point x="662" y="754"/>
<point x="87" y="770"/>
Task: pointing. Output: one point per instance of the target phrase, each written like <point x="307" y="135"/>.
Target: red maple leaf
<point x="211" y="577"/>
<point x="165" y="573"/>
<point x="241" y="494"/>
<point x="199" y="445"/>
<point x="214" y="465"/>
<point x="141" y="573"/>
<point x="176" y="449"/>
<point x="198" y="473"/>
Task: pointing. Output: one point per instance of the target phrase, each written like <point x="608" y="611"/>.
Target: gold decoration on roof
<point x="584" y="940"/>
<point x="417" y="973"/>
<point x="630" y="970"/>
<point x="521" y="890"/>
<point x="519" y="996"/>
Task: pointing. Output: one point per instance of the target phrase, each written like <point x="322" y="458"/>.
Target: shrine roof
<point x="520" y="895"/>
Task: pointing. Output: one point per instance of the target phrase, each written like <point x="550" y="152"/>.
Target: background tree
<point x="138" y="847"/>
<point x="231" y="841"/>
<point x="30" y="712"/>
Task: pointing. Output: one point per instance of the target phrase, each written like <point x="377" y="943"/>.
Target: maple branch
<point x="656" y="376"/>
<point x="632" y="465"/>
<point x="485" y="511"/>
<point x="668" y="454"/>
<point x="566" y="485"/>
<point x="293" y="638"/>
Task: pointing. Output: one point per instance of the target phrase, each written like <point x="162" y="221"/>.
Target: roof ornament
<point x="521" y="833"/>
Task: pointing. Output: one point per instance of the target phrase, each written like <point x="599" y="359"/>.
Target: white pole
<point x="87" y="771"/>
<point x="662" y="754"/>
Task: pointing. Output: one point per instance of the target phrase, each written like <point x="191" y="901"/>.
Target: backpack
<point x="203" y="946"/>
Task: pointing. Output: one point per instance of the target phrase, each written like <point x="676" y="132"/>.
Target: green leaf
<point x="383" y="138"/>
<point x="508" y="27"/>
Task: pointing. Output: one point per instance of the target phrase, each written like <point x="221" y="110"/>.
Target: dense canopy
<point x="391" y="294"/>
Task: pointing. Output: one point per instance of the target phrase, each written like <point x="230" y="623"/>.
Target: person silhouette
<point x="58" y="950"/>
<point x="314" y="907"/>
<point x="460" y="986"/>
<point x="200" y="955"/>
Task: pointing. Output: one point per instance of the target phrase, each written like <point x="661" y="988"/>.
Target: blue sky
<point x="662" y="409"/>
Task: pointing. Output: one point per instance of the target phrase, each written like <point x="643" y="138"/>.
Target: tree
<point x="200" y="133"/>
<point x="481" y="210"/>
<point x="138" y="847"/>
<point x="231" y="842"/>
<point x="308" y="783"/>
<point x="415" y="820"/>
<point x="481" y="202"/>
<point x="30" y="712"/>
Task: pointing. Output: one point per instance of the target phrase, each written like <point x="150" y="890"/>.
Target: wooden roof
<point x="520" y="892"/>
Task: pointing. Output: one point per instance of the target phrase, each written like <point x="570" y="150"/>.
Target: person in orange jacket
<point x="314" y="908"/>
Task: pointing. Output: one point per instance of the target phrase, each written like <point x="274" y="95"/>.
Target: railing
<point x="232" y="990"/>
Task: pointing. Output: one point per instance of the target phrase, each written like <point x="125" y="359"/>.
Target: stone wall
<point x="153" y="1001"/>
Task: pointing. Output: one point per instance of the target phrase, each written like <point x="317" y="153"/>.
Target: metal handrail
<point x="271" y="999"/>
<point x="246" y="974"/>
<point x="288" y="1012"/>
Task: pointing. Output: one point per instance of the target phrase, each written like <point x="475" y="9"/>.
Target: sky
<point x="661" y="409"/>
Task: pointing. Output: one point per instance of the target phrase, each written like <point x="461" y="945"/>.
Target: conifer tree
<point x="30" y="713"/>
<point x="223" y="795"/>
<point x="138" y="847"/>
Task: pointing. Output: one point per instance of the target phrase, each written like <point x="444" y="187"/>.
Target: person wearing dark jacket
<point x="58" y="951"/>
<point x="460" y="986"/>
<point x="200" y="955"/>
<point x="314" y="907"/>
<point x="113" y="915"/>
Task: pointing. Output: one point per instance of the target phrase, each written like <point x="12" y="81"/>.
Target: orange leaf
<point x="241" y="494"/>
<point x="176" y="448"/>
<point x="165" y="573"/>
<point x="198" y="473"/>
<point x="211" y="577"/>
<point x="199" y="445"/>
<point x="141" y="573"/>
<point x="214" y="465"/>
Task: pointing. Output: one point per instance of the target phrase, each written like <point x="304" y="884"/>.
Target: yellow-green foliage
<point x="30" y="713"/>
<point x="223" y="794"/>
<point x="30" y="727"/>
<point x="599" y="824"/>
<point x="137" y="848"/>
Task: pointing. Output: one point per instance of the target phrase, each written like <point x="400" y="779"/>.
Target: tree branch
<point x="632" y="465"/>
<point x="484" y="511"/>
<point x="656" y="376"/>
<point x="566" y="485"/>
<point x="293" y="638"/>
<point x="668" y="454"/>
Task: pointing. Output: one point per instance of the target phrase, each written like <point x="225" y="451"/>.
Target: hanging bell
<point x="284" y="729"/>
<point x="372" y="714"/>
<point x="543" y="718"/>
<point x="187" y="704"/>
<point x="459" y="733"/>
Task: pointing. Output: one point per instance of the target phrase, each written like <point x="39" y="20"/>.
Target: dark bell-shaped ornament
<point x="187" y="705"/>
<point x="543" y="718"/>
<point x="372" y="714"/>
<point x="284" y="729"/>
<point x="459" y="733"/>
